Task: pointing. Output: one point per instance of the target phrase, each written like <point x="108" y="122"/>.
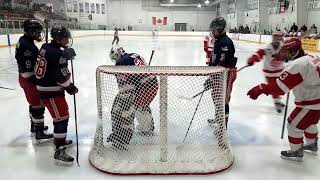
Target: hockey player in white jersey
<point x="272" y="67"/>
<point x="135" y="94"/>
<point x="208" y="43"/>
<point x="303" y="78"/>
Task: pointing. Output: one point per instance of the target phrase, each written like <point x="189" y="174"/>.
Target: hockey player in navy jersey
<point x="222" y="55"/>
<point x="135" y="94"/>
<point x="26" y="56"/>
<point x="53" y="79"/>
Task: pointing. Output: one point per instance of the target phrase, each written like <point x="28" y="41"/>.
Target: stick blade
<point x="39" y="16"/>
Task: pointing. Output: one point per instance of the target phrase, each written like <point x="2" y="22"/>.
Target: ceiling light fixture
<point x="207" y="2"/>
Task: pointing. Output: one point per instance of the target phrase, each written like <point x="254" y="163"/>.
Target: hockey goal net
<point x="154" y="120"/>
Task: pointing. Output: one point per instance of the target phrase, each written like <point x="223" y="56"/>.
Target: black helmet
<point x="219" y="24"/>
<point x="59" y="32"/>
<point x="34" y="29"/>
<point x="31" y="25"/>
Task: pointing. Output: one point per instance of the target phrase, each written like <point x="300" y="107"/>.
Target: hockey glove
<point x="256" y="91"/>
<point x="69" y="53"/>
<point x="208" y="84"/>
<point x="252" y="60"/>
<point x="71" y="89"/>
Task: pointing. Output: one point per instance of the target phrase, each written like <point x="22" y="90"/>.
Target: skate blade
<point x="313" y="153"/>
<point x="297" y="159"/>
<point x="33" y="134"/>
<point x="42" y="141"/>
<point x="62" y="163"/>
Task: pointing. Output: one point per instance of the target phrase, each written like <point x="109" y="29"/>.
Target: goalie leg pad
<point x="145" y="120"/>
<point x="122" y="117"/>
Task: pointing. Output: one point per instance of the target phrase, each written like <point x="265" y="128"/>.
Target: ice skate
<point x="33" y="129"/>
<point x="311" y="149"/>
<point x="62" y="158"/>
<point x="42" y="138"/>
<point x="293" y="155"/>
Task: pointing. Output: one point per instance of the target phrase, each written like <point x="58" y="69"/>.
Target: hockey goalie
<point x="135" y="93"/>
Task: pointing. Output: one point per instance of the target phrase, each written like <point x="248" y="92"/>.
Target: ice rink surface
<point x="254" y="126"/>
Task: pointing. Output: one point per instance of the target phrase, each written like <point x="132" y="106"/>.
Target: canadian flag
<point x="159" y="21"/>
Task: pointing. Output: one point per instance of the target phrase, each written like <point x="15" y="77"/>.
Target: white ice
<point x="254" y="126"/>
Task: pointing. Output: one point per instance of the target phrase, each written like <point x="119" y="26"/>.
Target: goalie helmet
<point x="34" y="29"/>
<point x="59" y="32"/>
<point x="116" y="53"/>
<point x="291" y="50"/>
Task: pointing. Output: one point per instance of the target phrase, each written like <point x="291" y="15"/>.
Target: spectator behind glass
<point x="303" y="28"/>
<point x="315" y="28"/>
<point x="294" y="28"/>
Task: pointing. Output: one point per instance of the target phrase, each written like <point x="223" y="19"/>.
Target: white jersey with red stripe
<point x="208" y="43"/>
<point x="272" y="67"/>
<point x="303" y="77"/>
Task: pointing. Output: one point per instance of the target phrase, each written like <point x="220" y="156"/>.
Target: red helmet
<point x="277" y="37"/>
<point x="291" y="49"/>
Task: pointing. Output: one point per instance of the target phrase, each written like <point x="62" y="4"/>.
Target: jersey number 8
<point x="41" y="67"/>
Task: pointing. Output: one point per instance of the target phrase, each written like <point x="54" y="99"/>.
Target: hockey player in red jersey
<point x="135" y="94"/>
<point x="208" y="46"/>
<point x="272" y="67"/>
<point x="303" y="78"/>
<point x="53" y="79"/>
<point x="26" y="56"/>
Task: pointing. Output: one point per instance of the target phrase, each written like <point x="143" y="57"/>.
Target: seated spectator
<point x="247" y="30"/>
<point x="294" y="28"/>
<point x="303" y="28"/>
<point x="315" y="28"/>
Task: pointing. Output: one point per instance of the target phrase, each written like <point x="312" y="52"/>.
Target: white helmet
<point x="116" y="53"/>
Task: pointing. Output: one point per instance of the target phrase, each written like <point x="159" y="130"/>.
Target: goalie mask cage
<point x="181" y="142"/>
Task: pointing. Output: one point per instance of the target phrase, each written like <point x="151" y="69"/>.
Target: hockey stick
<point x="45" y="21"/>
<point x="75" y="116"/>
<point x="190" y="98"/>
<point x="151" y="57"/>
<point x="195" y="111"/>
<point x="1" y="87"/>
<point x="285" y="115"/>
<point x="242" y="68"/>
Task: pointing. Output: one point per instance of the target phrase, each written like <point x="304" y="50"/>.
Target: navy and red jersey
<point x="223" y="52"/>
<point x="132" y="59"/>
<point x="52" y="71"/>
<point x="26" y="56"/>
<point x="137" y="83"/>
